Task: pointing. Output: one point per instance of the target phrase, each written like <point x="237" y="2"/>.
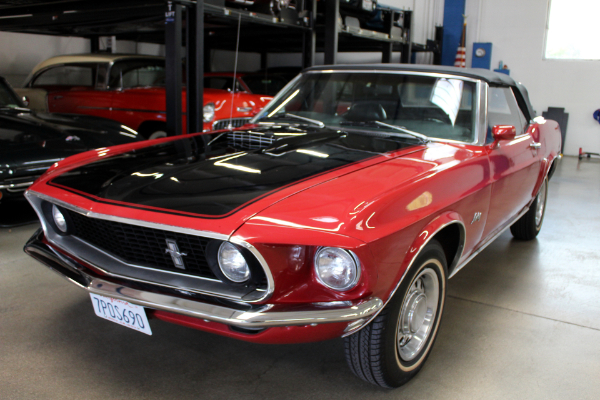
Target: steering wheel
<point x="439" y="121"/>
<point x="366" y="111"/>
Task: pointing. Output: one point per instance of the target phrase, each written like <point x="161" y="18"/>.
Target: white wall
<point x="517" y="30"/>
<point x="131" y="47"/>
<point x="21" y="52"/>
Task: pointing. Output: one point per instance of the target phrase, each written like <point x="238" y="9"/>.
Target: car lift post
<point x="195" y="66"/>
<point x="173" y="81"/>
<point x="310" y="37"/>
<point x="332" y="11"/>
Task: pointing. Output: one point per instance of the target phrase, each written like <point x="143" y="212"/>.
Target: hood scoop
<point x="250" y="140"/>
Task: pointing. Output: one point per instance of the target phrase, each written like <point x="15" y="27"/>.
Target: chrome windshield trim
<point x="99" y="258"/>
<point x="476" y="136"/>
<point x="482" y="113"/>
<point x="397" y="72"/>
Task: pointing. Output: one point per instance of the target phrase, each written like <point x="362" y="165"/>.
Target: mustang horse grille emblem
<point x="176" y="256"/>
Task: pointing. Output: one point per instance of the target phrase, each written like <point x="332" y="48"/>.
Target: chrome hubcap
<point x="541" y="204"/>
<point x="418" y="314"/>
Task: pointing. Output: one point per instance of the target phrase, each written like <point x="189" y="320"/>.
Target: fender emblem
<point x="476" y="217"/>
<point x="176" y="256"/>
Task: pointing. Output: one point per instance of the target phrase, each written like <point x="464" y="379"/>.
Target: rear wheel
<point x="529" y="225"/>
<point x="394" y="346"/>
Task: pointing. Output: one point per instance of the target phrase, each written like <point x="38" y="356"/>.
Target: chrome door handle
<point x="57" y="97"/>
<point x="535" y="145"/>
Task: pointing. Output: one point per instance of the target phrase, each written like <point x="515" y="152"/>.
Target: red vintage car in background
<point x="263" y="82"/>
<point x="129" y="89"/>
<point x="340" y="212"/>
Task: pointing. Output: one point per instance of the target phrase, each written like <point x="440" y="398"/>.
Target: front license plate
<point x="121" y="312"/>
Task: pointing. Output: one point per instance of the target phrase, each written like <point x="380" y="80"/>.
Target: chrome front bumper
<point x="263" y="316"/>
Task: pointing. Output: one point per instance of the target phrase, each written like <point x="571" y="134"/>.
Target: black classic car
<point x="31" y="142"/>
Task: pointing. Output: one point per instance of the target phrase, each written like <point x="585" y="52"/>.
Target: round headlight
<point x="337" y="268"/>
<point x="208" y="112"/>
<point x="59" y="219"/>
<point x="232" y="263"/>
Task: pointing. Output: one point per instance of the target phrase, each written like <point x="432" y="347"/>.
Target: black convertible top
<point x="476" y="73"/>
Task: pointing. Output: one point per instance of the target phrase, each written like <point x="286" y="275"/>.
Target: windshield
<point x="437" y="107"/>
<point x="7" y="96"/>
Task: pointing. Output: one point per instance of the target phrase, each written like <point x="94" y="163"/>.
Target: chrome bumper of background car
<point x="16" y="187"/>
<point x="264" y="316"/>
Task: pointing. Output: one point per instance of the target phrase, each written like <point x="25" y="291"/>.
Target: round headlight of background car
<point x="337" y="268"/>
<point x="208" y="112"/>
<point x="232" y="263"/>
<point x="59" y="219"/>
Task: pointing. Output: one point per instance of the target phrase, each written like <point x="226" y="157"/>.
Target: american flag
<point x="461" y="52"/>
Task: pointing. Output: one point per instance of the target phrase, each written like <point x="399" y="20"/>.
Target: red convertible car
<point x="129" y="89"/>
<point x="341" y="211"/>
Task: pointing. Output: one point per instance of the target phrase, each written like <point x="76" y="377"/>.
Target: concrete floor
<point x="522" y="321"/>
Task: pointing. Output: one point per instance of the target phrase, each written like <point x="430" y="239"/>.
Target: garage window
<point x="572" y="30"/>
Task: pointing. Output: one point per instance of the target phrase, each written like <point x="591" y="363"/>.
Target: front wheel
<point x="157" y="135"/>
<point x="394" y="346"/>
<point x="529" y="225"/>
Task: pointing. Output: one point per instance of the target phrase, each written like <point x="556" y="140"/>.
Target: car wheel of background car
<point x="157" y="135"/>
<point x="528" y="226"/>
<point x="394" y="346"/>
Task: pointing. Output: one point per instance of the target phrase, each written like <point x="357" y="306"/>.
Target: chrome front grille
<point x="143" y="246"/>
<point x="225" y="123"/>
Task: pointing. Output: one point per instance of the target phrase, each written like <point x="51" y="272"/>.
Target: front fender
<point x="430" y="231"/>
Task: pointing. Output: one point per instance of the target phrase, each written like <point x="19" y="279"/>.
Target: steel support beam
<point x="173" y="27"/>
<point x="406" y="55"/>
<point x="264" y="60"/>
<point x="94" y="44"/>
<point x="309" y="44"/>
<point x="387" y="47"/>
<point x="195" y="66"/>
<point x="332" y="11"/>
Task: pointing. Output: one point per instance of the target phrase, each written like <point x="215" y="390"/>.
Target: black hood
<point x="213" y="176"/>
<point x="31" y="142"/>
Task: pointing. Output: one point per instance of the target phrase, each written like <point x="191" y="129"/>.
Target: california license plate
<point x="121" y="312"/>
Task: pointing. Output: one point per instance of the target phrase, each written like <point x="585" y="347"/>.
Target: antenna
<point x="237" y="48"/>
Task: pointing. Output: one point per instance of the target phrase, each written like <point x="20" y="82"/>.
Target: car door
<point x="514" y="164"/>
<point x="74" y="88"/>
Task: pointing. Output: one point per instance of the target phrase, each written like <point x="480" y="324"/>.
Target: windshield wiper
<point x="402" y="129"/>
<point x="320" y="124"/>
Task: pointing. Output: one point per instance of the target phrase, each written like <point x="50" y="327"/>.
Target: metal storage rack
<point x="205" y="25"/>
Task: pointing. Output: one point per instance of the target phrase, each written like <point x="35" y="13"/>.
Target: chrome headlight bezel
<point x="234" y="257"/>
<point x="59" y="219"/>
<point x="353" y="264"/>
<point x="208" y="112"/>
